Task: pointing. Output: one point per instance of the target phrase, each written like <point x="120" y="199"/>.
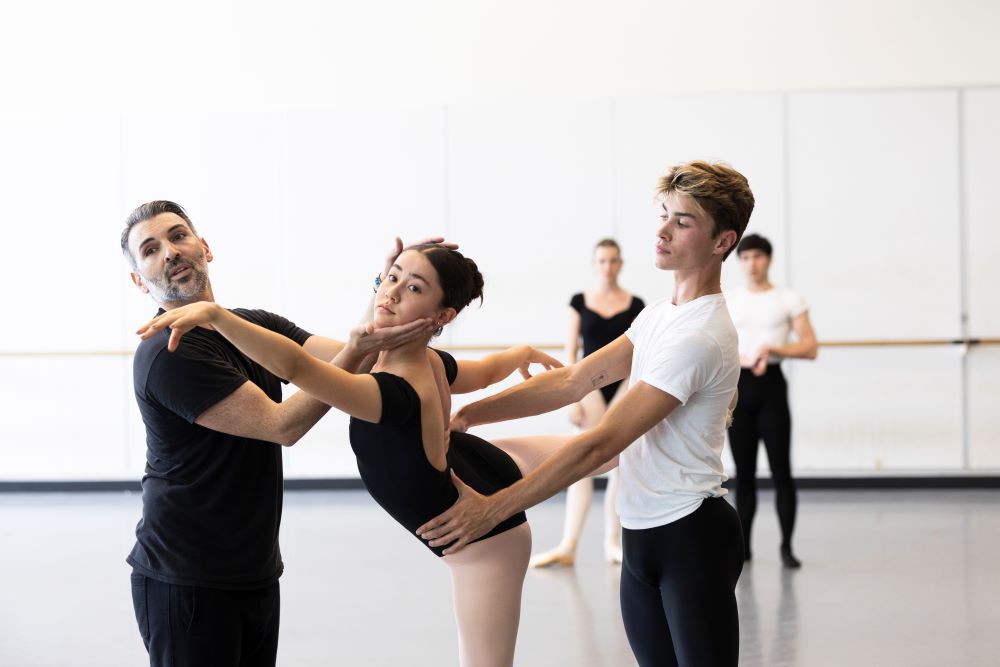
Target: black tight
<point x="762" y="413"/>
<point x="678" y="589"/>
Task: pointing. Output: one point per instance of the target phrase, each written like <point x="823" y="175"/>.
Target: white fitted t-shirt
<point x="689" y="352"/>
<point x="763" y="318"/>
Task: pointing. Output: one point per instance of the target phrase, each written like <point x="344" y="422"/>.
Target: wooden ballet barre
<point x="548" y="346"/>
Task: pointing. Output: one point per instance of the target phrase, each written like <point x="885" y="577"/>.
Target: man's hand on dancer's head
<point x="398" y="246"/>
<point x="468" y="519"/>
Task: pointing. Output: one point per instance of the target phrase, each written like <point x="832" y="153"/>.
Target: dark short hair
<point x="459" y="276"/>
<point x="142" y="213"/>
<point x="720" y="190"/>
<point x="754" y="242"/>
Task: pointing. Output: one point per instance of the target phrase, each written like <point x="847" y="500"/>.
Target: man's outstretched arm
<point x="473" y="515"/>
<point x="552" y="390"/>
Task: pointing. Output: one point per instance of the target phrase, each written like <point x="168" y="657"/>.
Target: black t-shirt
<point x="211" y="502"/>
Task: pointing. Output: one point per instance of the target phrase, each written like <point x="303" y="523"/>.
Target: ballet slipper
<point x="553" y="558"/>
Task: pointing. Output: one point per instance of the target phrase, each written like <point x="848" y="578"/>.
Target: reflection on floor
<point x="889" y="578"/>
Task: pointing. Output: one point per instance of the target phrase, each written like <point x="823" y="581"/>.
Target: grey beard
<point x="172" y="292"/>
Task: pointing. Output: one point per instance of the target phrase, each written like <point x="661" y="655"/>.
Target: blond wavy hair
<point x="721" y="192"/>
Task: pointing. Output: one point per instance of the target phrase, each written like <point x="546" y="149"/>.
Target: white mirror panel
<point x="874" y="203"/>
<point x="61" y="176"/>
<point x="877" y="409"/>
<point x="530" y="194"/>
<point x="981" y="170"/>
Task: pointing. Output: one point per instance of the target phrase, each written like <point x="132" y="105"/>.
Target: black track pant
<point x="678" y="589"/>
<point x="762" y="413"/>
<point x="191" y="626"/>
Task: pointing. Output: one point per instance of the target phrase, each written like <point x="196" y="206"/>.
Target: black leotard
<point x="598" y="331"/>
<point x="395" y="469"/>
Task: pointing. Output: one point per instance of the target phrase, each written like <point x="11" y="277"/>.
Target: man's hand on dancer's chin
<point x="468" y="519"/>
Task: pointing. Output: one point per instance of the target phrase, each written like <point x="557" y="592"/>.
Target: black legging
<point x="678" y="586"/>
<point x="762" y="413"/>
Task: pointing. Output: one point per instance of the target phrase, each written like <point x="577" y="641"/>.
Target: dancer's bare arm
<point x="475" y="374"/>
<point x="552" y="390"/>
<point x="357" y="395"/>
<point x="576" y="415"/>
<point x="806" y="347"/>
<point x="474" y="515"/>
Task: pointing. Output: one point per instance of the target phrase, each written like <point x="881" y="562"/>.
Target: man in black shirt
<point x="206" y="561"/>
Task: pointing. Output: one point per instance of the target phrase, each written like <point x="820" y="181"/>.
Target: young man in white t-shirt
<point x="765" y="315"/>
<point x="683" y="548"/>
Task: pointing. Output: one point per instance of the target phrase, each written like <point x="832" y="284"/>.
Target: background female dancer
<point x="399" y="429"/>
<point x="764" y="316"/>
<point x="599" y="316"/>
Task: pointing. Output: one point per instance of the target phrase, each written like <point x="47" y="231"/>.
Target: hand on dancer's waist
<point x="459" y="423"/>
<point x="468" y="519"/>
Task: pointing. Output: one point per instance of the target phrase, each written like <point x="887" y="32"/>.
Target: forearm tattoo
<point x="599" y="380"/>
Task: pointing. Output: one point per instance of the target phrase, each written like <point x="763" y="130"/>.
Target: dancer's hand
<point x="760" y="363"/>
<point x="367" y="338"/>
<point x="576" y="414"/>
<point x="397" y="248"/>
<point x="537" y="357"/>
<point x="458" y="423"/>
<point x="468" y="519"/>
<point x="181" y="320"/>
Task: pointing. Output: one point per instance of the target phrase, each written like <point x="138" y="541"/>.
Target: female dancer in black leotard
<point x="598" y="316"/>
<point x="399" y="429"/>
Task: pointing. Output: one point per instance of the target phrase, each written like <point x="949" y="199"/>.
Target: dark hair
<point x="754" y="242"/>
<point x="143" y="213"/>
<point x="720" y="190"/>
<point x="460" y="278"/>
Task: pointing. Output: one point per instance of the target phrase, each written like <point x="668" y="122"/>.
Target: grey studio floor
<point x="890" y="578"/>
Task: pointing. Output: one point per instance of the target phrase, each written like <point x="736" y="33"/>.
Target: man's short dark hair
<point x="143" y="213"/>
<point x="754" y="242"/>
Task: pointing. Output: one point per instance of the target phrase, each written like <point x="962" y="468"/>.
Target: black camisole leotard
<point x="395" y="469"/>
<point x="598" y="331"/>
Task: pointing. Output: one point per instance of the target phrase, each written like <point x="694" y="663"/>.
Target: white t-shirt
<point x="690" y="352"/>
<point x="763" y="318"/>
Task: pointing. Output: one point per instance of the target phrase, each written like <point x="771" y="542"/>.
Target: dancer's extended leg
<point x="487" y="578"/>
<point x="531" y="451"/>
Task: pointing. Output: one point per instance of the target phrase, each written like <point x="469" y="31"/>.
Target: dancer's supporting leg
<point x="578" y="499"/>
<point x="678" y="589"/>
<point x="487" y="579"/>
<point x="744" y="438"/>
<point x="775" y="424"/>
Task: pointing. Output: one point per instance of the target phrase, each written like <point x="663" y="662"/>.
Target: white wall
<point x="302" y="141"/>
